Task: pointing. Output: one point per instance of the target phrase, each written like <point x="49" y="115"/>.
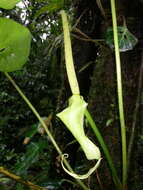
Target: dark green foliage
<point x="44" y="83"/>
<point x="2" y="187"/>
<point x="19" y="186"/>
<point x="127" y="40"/>
<point x="31" y="156"/>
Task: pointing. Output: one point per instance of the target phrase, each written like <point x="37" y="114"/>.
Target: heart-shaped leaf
<point x="127" y="40"/>
<point x="15" y="42"/>
<point x="8" y="4"/>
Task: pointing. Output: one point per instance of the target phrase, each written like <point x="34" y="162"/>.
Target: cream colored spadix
<point x="73" y="117"/>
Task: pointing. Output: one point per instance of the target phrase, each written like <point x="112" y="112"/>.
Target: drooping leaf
<point x="127" y="40"/>
<point x="15" y="42"/>
<point x="52" y="6"/>
<point x="8" y="4"/>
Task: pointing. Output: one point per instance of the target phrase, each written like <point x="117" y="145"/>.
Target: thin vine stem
<point x="135" y="114"/>
<point x="120" y="94"/>
<point x="44" y="126"/>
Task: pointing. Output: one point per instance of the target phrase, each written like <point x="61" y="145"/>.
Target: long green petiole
<point x="44" y="126"/>
<point x="105" y="150"/>
<point x="68" y="56"/>
<point x="120" y="96"/>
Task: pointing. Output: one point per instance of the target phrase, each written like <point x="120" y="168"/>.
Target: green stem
<point x="105" y="150"/>
<point x="120" y="96"/>
<point x="35" y="112"/>
<point x="68" y="56"/>
<point x="19" y="179"/>
<point x="44" y="126"/>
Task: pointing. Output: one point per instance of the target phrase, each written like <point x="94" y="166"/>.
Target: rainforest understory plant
<point x="13" y="56"/>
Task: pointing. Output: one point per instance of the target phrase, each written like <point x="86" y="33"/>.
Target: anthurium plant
<point x="14" y="52"/>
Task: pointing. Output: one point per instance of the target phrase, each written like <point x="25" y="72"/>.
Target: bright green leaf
<point x="15" y="42"/>
<point x="127" y="40"/>
<point x="8" y="4"/>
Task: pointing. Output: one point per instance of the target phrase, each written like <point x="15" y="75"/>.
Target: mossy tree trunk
<point x="98" y="80"/>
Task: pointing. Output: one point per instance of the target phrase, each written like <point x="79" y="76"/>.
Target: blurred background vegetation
<point x="43" y="79"/>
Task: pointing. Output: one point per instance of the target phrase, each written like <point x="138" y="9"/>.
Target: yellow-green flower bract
<point x="73" y="118"/>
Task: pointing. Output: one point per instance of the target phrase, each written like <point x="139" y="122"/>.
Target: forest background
<point x="25" y="149"/>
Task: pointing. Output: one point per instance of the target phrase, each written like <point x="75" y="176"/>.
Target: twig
<point x="133" y="131"/>
<point x="99" y="181"/>
<point x="20" y="180"/>
<point x="97" y="41"/>
<point x="78" y="20"/>
<point x="99" y="4"/>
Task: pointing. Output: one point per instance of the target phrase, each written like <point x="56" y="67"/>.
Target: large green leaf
<point x="127" y="40"/>
<point x="15" y="42"/>
<point x="8" y="4"/>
